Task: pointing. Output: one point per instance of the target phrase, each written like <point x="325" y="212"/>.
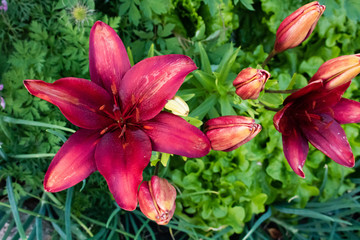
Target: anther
<point x="102" y="107"/>
<point x="104" y="131"/>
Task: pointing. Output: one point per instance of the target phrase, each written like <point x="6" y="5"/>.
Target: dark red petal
<point x="108" y="59"/>
<point x="296" y="149"/>
<point x="121" y="160"/>
<point x="280" y="118"/>
<point x="326" y="99"/>
<point x="150" y="83"/>
<point x="78" y="99"/>
<point x="347" y="111"/>
<point x="172" y="134"/>
<point x="327" y="135"/>
<point x="311" y="87"/>
<point x="73" y="162"/>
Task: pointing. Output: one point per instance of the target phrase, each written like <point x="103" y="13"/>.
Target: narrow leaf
<point x="14" y="208"/>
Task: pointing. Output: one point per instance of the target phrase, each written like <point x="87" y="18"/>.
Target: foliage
<point x="218" y="193"/>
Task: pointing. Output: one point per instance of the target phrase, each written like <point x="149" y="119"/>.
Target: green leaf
<point x="124" y="7"/>
<point x="352" y="8"/>
<point x="68" y="213"/>
<point x="311" y="65"/>
<point x="151" y="51"/>
<point x="248" y="4"/>
<point x="207" y="80"/>
<point x="143" y="34"/>
<point x="167" y="31"/>
<point x="204" y="107"/>
<point x="226" y="107"/>
<point x="134" y="14"/>
<point x="160" y="6"/>
<point x="205" y="62"/>
<point x="165" y="158"/>
<point x="235" y="218"/>
<point x="226" y="64"/>
<point x="220" y="211"/>
<point x="193" y="121"/>
<point x="258" y="203"/>
<point x="14" y="208"/>
<point x="131" y="58"/>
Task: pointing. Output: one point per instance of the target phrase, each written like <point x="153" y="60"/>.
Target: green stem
<point x="270" y="108"/>
<point x="31" y="213"/>
<point x="35" y="155"/>
<point x="35" y="123"/>
<point x="156" y="171"/>
<point x="271" y="55"/>
<point x="196" y="193"/>
<point x="104" y="225"/>
<point x="280" y="91"/>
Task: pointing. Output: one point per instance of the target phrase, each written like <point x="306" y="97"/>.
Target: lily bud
<point x="298" y="26"/>
<point x="338" y="71"/>
<point x="157" y="200"/>
<point x="250" y="82"/>
<point x="177" y="106"/>
<point x="230" y="132"/>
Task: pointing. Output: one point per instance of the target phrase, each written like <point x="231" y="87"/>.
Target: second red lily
<point x="314" y="114"/>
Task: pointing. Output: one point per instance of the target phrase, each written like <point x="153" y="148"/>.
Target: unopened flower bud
<point x="157" y="200"/>
<point x="298" y="26"/>
<point x="177" y="106"/>
<point x="250" y="82"/>
<point x="230" y="132"/>
<point x="338" y="71"/>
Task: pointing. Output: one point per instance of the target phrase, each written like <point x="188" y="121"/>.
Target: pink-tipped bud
<point x="230" y="132"/>
<point x="250" y="82"/>
<point x="338" y="71"/>
<point x="298" y="26"/>
<point x="157" y="200"/>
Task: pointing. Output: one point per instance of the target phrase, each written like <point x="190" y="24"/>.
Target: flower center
<point x="122" y="120"/>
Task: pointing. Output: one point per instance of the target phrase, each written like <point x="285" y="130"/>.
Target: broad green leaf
<point x="258" y="203"/>
<point x="134" y="14"/>
<point x="235" y="218"/>
<point x="166" y="31"/>
<point x="311" y="65"/>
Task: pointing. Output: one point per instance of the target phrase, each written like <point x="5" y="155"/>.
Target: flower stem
<point x="271" y="55"/>
<point x="270" y="108"/>
<point x="280" y="91"/>
<point x="156" y="171"/>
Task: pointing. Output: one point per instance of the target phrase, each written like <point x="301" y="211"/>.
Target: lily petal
<point x="313" y="86"/>
<point x="150" y="83"/>
<point x="280" y="119"/>
<point x="78" y="99"/>
<point x="121" y="160"/>
<point x="108" y="59"/>
<point x="347" y="111"/>
<point x="296" y="149"/>
<point x="321" y="100"/>
<point x="73" y="162"/>
<point x="172" y="134"/>
<point x="327" y="135"/>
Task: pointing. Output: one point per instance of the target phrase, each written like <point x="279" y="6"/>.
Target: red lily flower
<point x="120" y="118"/>
<point x="314" y="114"/>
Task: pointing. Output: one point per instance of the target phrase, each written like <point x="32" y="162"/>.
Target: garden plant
<point x="179" y="119"/>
